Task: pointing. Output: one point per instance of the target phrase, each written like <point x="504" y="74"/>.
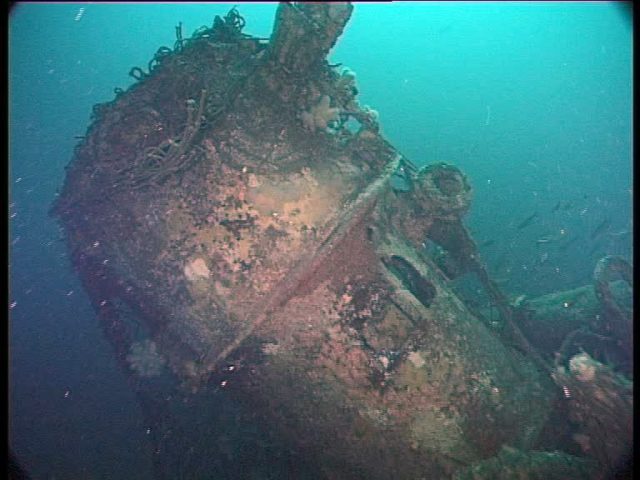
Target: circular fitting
<point x="443" y="190"/>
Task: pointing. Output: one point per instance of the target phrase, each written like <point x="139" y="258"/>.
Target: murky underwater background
<point x="531" y="101"/>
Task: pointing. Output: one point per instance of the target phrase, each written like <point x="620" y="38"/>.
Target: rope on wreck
<point x="171" y="155"/>
<point x="506" y="312"/>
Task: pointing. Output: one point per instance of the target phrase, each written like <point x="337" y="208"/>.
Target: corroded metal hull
<point x="226" y="206"/>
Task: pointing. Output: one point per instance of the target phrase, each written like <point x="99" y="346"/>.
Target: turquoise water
<point x="532" y="101"/>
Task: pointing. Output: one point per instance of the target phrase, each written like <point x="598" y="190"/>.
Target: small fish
<point x="567" y="206"/>
<point x="600" y="229"/>
<point x="544" y="239"/>
<point x="487" y="243"/>
<point x="80" y="14"/>
<point x="520" y="299"/>
<point x="527" y="221"/>
<point x="557" y="207"/>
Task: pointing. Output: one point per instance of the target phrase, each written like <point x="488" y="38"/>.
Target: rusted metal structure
<point x="241" y="225"/>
